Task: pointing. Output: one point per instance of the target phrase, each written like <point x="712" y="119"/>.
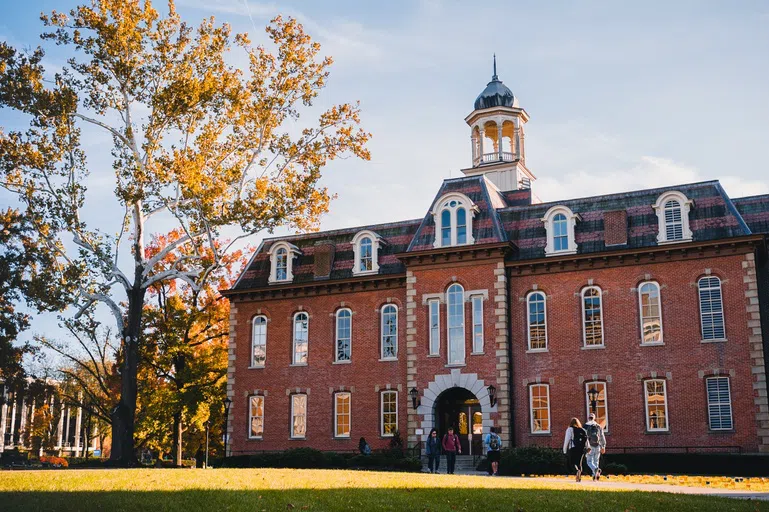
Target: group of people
<point x="450" y="446"/>
<point x="584" y="442"/>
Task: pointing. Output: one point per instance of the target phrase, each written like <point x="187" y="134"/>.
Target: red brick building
<point x="496" y="310"/>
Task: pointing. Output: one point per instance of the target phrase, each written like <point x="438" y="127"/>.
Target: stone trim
<point x="756" y="343"/>
<point x="653" y="375"/>
<point x="502" y="345"/>
<point x="411" y="355"/>
<point x="716" y="372"/>
<point x="231" y="375"/>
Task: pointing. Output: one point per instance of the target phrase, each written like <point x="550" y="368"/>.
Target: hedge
<point x="309" y="458"/>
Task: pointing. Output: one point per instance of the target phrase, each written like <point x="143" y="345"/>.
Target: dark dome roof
<point x="496" y="94"/>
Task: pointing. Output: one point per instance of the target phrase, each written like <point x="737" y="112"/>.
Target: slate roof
<point x="755" y="211"/>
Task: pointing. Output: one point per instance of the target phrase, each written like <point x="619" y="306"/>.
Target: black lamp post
<point x="592" y="395"/>
<point x="208" y="422"/>
<point x="492" y="395"/>
<point x="414" y="394"/>
<point x="227" y="403"/>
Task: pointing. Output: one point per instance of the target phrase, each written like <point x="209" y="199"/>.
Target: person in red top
<point x="451" y="448"/>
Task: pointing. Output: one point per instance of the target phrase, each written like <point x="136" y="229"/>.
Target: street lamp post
<point x="208" y="422"/>
<point x="592" y="395"/>
<point x="227" y="403"/>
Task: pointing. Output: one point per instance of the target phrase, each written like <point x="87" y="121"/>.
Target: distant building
<point x="497" y="310"/>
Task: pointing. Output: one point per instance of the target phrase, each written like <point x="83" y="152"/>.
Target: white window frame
<point x="604" y="384"/>
<point x="254" y="344"/>
<point x="461" y="360"/>
<point x="382" y="412"/>
<point x="337" y="395"/>
<point x="646" y="405"/>
<point x="584" y="319"/>
<point x="293" y="415"/>
<point x="251" y="417"/>
<point x="382" y="333"/>
<point x="528" y="320"/>
<point x="719" y="403"/>
<point x="571" y="222"/>
<point x="444" y="203"/>
<point x="659" y="208"/>
<point x="434" y="338"/>
<point x="720" y="289"/>
<point x="531" y="409"/>
<point x="641" y="312"/>
<point x="337" y="339"/>
<point x="376" y="243"/>
<point x="294" y="361"/>
<point x="476" y="302"/>
<point x="292" y="252"/>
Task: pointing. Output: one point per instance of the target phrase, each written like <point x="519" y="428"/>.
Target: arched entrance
<point x="459" y="408"/>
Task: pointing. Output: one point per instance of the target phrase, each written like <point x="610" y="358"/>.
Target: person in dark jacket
<point x="433" y="451"/>
<point x="451" y="448"/>
<point x="574" y="446"/>
<point x="363" y="447"/>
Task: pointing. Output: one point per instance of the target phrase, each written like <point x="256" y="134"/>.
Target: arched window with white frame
<point x="560" y="223"/>
<point x="651" y="313"/>
<point x="711" y="309"/>
<point x="343" y="336"/>
<point x="301" y="340"/>
<point x="455" y="317"/>
<point x="453" y="216"/>
<point x="366" y="245"/>
<point x="282" y="256"/>
<point x="592" y="317"/>
<point x="536" y="319"/>
<point x="259" y="342"/>
<point x="672" y="210"/>
<point x="389" y="342"/>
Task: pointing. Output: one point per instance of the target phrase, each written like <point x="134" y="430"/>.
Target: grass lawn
<point x="283" y="489"/>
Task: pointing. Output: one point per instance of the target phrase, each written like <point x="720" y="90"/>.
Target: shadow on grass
<point x="362" y="500"/>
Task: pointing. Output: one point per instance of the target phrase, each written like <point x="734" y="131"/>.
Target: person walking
<point x="433" y="451"/>
<point x="596" y="445"/>
<point x="574" y="442"/>
<point x="363" y="447"/>
<point x="493" y="450"/>
<point x="451" y="448"/>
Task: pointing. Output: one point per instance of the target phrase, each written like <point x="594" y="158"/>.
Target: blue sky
<point x="621" y="95"/>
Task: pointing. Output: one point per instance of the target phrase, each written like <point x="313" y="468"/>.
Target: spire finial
<point x="494" y="76"/>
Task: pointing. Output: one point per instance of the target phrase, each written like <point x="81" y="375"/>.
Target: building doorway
<point x="459" y="408"/>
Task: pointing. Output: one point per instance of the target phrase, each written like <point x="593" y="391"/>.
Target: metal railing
<point x="486" y="158"/>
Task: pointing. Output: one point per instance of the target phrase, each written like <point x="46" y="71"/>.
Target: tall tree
<point x="195" y="141"/>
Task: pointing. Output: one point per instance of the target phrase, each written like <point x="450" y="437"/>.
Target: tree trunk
<point x="178" y="438"/>
<point x="124" y="413"/>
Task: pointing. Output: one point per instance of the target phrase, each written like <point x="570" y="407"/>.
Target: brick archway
<point x="455" y="379"/>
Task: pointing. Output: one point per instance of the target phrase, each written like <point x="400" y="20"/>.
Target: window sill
<point x="545" y="434"/>
<point x="718" y="340"/>
<point x="661" y="344"/>
<point x="433" y="355"/>
<point x="298" y="364"/>
<point x="341" y="438"/>
<point x="666" y="242"/>
<point x="297" y="438"/>
<point x="342" y="362"/>
<point x="726" y="431"/>
<point x="365" y="273"/>
<point x="537" y="351"/>
<point x="386" y="359"/>
<point x="593" y="347"/>
<point x="256" y="438"/>
<point x="456" y="365"/>
<point x="386" y="436"/>
<point x="561" y="253"/>
<point x="477" y="353"/>
<point x="657" y="432"/>
<point x="256" y="367"/>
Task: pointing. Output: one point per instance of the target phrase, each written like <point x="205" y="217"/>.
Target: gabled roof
<point x="755" y="211"/>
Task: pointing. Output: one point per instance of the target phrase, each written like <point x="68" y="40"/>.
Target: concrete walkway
<point x="587" y="483"/>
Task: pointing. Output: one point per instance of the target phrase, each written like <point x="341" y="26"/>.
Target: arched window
<point x="282" y="255"/>
<point x="259" y="342"/>
<point x="281" y="264"/>
<point x="537" y="321"/>
<point x="389" y="332"/>
<point x="455" y="306"/>
<point x="453" y="217"/>
<point x="366" y="248"/>
<point x="343" y="335"/>
<point x="711" y="309"/>
<point x="592" y="317"/>
<point x="301" y="328"/>
<point x="560" y="222"/>
<point x="651" y="313"/>
<point x="673" y="217"/>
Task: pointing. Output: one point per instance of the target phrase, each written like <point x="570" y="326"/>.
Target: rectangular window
<point x="539" y="404"/>
<point x="256" y="417"/>
<point x="342" y="415"/>
<point x="592" y="317"/>
<point x="301" y="327"/>
<point x="298" y="416"/>
<point x="389" y="332"/>
<point x="343" y="334"/>
<point x="435" y="327"/>
<point x="389" y="413"/>
<point x="651" y="313"/>
<point x="656" y="399"/>
<point x="537" y="321"/>
<point x="477" y="324"/>
<point x="259" y="342"/>
<point x="601" y="408"/>
<point x="719" y="403"/>
<point x="711" y="308"/>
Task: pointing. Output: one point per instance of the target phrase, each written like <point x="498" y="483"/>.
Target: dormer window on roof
<point x="453" y="215"/>
<point x="365" y="246"/>
<point x="673" y="217"/>
<point x="282" y="256"/>
<point x="559" y="224"/>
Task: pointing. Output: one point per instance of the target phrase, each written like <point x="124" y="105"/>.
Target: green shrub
<point x="721" y="464"/>
<point x="612" y="468"/>
<point x="308" y="458"/>
<point x="531" y="460"/>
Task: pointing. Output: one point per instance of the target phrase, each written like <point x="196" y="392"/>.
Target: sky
<point x="621" y="95"/>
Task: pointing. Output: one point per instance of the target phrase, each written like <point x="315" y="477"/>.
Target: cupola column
<point x="481" y="136"/>
<point x="517" y="140"/>
<point x="499" y="139"/>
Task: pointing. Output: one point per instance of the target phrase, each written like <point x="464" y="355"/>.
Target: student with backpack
<point x="596" y="445"/>
<point x="574" y="445"/>
<point x="433" y="451"/>
<point x="493" y="446"/>
<point x="451" y="448"/>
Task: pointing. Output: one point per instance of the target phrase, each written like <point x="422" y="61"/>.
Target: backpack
<point x="494" y="442"/>
<point x="579" y="438"/>
<point x="593" y="434"/>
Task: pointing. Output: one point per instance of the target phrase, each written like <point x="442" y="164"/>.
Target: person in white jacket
<point x="574" y="445"/>
<point x="596" y="444"/>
